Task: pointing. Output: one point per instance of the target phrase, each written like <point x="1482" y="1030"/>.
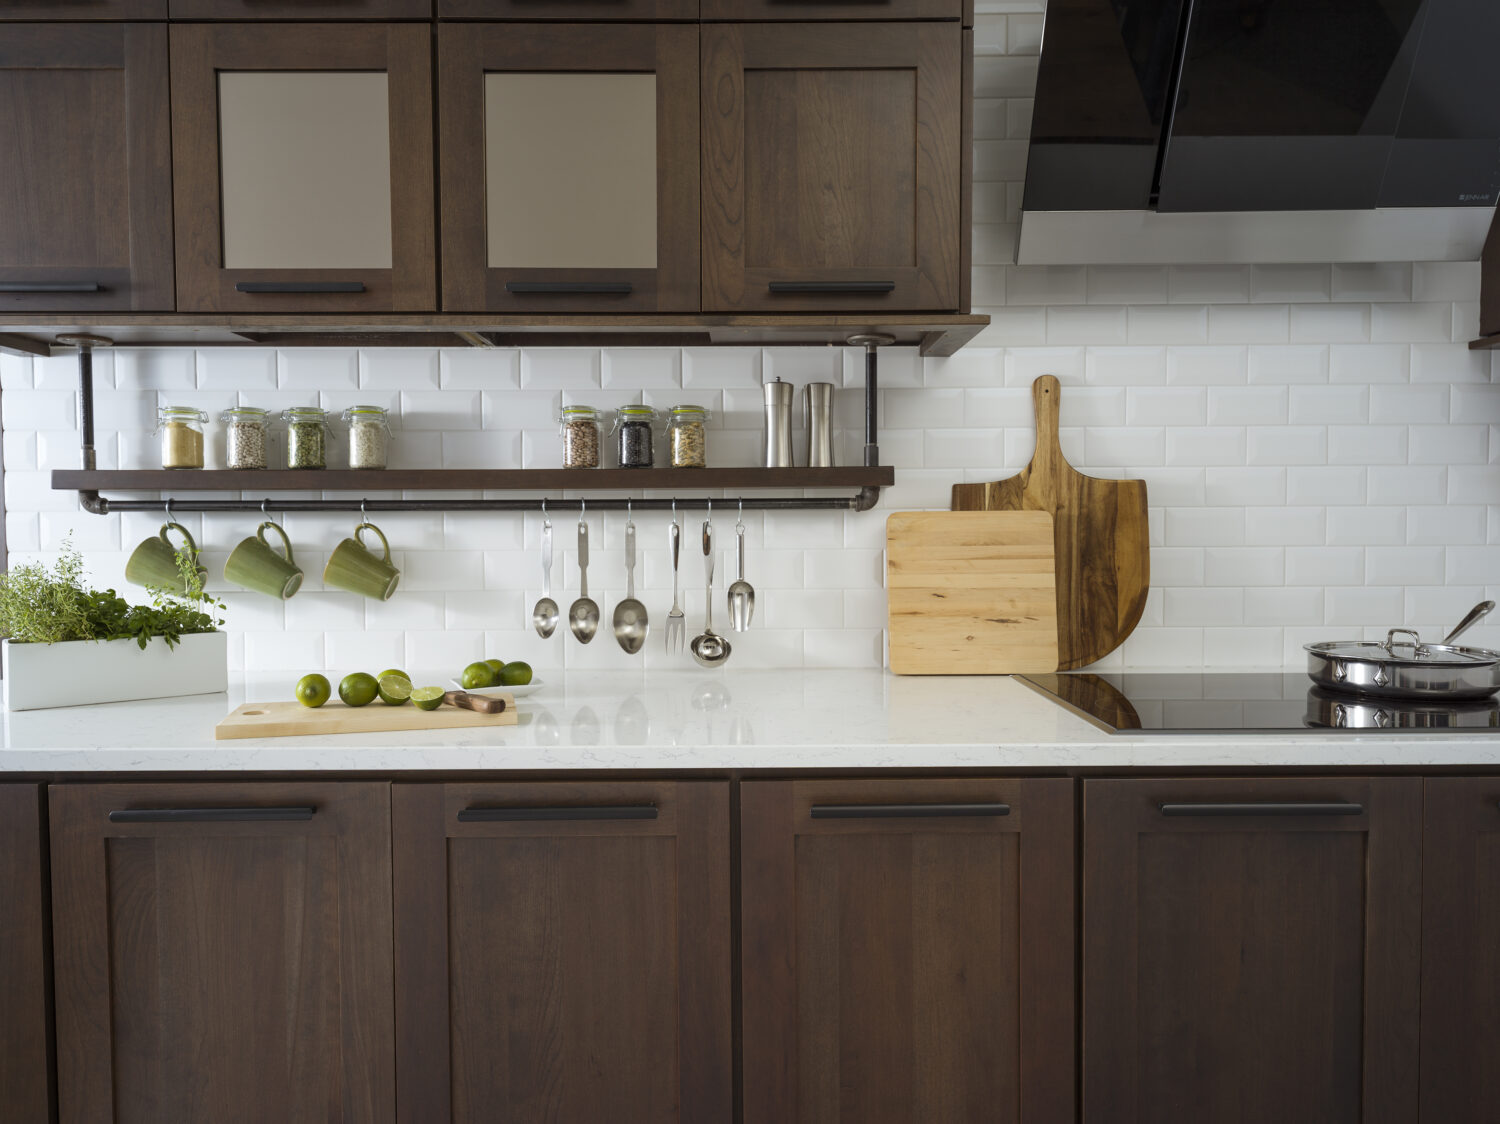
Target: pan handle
<point x="1476" y="614"/>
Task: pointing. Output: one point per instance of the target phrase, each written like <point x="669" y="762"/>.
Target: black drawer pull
<point x="1308" y="809"/>
<point x="210" y="815"/>
<point x="514" y="814"/>
<point x="598" y="288"/>
<point x="833" y="286"/>
<point x="299" y="287"/>
<point x="50" y="287"/>
<point x="904" y="811"/>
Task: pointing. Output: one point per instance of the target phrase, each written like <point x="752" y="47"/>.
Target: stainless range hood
<point x="1263" y="131"/>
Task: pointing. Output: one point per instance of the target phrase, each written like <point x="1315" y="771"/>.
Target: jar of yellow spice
<point x="181" y="432"/>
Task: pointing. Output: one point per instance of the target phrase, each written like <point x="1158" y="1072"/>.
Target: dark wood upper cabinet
<point x="563" y="952"/>
<point x="908" y="951"/>
<point x="569" y="167"/>
<point x="83" y="10"/>
<point x="1461" y="951"/>
<point x="86" y="179"/>
<point x="303" y="167"/>
<point x="223" y="952"/>
<point x="1251" y="950"/>
<point x="568" y="9"/>
<point x="25" y="1037"/>
<point x="839" y="10"/>
<point x="832" y="167"/>
<point x="302" y="9"/>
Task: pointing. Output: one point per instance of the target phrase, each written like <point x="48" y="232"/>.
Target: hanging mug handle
<point x="286" y="543"/>
<point x="191" y="545"/>
<point x="359" y="538"/>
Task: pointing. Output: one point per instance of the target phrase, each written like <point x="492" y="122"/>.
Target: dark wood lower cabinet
<point x="1461" y="951"/>
<point x="223" y="952"/>
<point x="25" y="1092"/>
<point x="1251" y="951"/>
<point x="563" y="952"/>
<point x="908" y="951"/>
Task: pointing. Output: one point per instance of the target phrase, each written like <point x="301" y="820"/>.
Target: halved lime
<point x="313" y="690"/>
<point x="428" y="698"/>
<point x="394" y="689"/>
<point x="477" y="675"/>
<point x="358" y="689"/>
<point x="394" y="671"/>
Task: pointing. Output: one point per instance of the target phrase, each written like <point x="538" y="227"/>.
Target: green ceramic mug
<point x="255" y="565"/>
<point x="154" y="563"/>
<point x="354" y="567"/>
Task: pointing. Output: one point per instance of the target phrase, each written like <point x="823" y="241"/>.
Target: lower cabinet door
<point x="1251" y="951"/>
<point x="223" y="953"/>
<point x="25" y="1093"/>
<point x="563" y="952"/>
<point x="908" y="951"/>
<point x="1461" y="951"/>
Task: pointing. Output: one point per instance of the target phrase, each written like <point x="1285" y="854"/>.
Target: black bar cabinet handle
<point x="50" y="287"/>
<point x="1301" y="809"/>
<point x="600" y="288"/>
<point x="904" y="811"/>
<point x="210" y="815"/>
<point x="299" y="287"/>
<point x="832" y="286"/>
<point x="514" y="814"/>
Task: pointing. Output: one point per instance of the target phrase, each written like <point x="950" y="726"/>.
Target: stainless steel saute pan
<point x="1408" y="668"/>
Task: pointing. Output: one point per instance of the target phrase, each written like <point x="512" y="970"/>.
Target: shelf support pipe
<point x="864" y="500"/>
<point x="871" y="342"/>
<point x="85" y="345"/>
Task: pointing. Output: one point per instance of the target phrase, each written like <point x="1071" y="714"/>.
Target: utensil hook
<point x="546" y="519"/>
<point x="629" y="513"/>
<point x="265" y="511"/>
<point x="168" y="509"/>
<point x="583" y="507"/>
<point x="739" y="524"/>
<point x="363" y="518"/>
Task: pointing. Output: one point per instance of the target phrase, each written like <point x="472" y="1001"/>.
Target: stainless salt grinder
<point x="817" y="416"/>
<point x="778" y="424"/>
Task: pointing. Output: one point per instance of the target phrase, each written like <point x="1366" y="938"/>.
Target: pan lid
<point x="1405" y="653"/>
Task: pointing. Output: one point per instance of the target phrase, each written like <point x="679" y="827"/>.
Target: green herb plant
<point x="42" y="606"/>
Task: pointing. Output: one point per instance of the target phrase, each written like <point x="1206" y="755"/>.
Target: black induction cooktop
<point x="1204" y="702"/>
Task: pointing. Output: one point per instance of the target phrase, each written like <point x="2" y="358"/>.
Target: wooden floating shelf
<point x="466" y="479"/>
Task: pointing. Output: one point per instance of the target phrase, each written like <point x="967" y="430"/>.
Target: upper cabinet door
<point x="301" y="9"/>
<point x="24" y="1033"/>
<point x="83" y="10"/>
<point x="303" y="167"/>
<point x="831" y="167"/>
<point x="570" y="168"/>
<point x="567" y="9"/>
<point x="841" y="10"/>
<point x="86" y="176"/>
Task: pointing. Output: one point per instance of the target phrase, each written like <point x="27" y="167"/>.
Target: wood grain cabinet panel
<point x="907" y="951"/>
<point x="303" y="171"/>
<point x="832" y="170"/>
<point x="83" y="10"/>
<point x="839" y="10"/>
<point x="1251" y="951"/>
<point x="570" y="163"/>
<point x="533" y="10"/>
<point x="223" y="952"/>
<point x="563" y="952"/>
<point x="25" y="1052"/>
<point x="1461" y="951"/>
<point x="86" y="177"/>
<point x="302" y="9"/>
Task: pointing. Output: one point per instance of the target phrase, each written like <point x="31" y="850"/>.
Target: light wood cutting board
<point x="1101" y="539"/>
<point x="287" y="719"/>
<point x="971" y="593"/>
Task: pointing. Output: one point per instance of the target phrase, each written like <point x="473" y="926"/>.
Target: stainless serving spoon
<point x="631" y="623"/>
<point x="741" y="593"/>
<point x="544" y="616"/>
<point x="583" y="617"/>
<point x="710" y="649"/>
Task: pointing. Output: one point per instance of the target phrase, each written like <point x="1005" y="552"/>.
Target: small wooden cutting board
<point x="971" y="593"/>
<point x="288" y="719"/>
<point x="1102" y="542"/>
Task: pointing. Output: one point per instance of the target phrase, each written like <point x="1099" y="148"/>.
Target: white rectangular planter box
<point x="79" y="672"/>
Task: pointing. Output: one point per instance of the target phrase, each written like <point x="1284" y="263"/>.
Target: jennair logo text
<point x="1476" y="198"/>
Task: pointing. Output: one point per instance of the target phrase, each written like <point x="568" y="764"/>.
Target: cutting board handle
<point x="481" y="703"/>
<point x="1046" y="399"/>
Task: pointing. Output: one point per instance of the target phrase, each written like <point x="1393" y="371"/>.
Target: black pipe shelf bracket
<point x="90" y="481"/>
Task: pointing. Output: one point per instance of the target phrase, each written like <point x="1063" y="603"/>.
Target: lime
<point x="427" y="698"/>
<point x="394" y="689"/>
<point x="313" y="690"/>
<point x="516" y="674"/>
<point x="477" y="675"/>
<point x="495" y="666"/>
<point x="358" y="689"/>
<point x="393" y="671"/>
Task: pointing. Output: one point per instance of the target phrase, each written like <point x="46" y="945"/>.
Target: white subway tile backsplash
<point x="1127" y="284"/>
<point x="1404" y="565"/>
<point x="1166" y="324"/>
<point x="1205" y="526"/>
<point x="1046" y="284"/>
<point x="1369" y="363"/>
<point x="1098" y="324"/>
<point x="1332" y="565"/>
<point x="1448" y="444"/>
<point x="1366" y="282"/>
<point x="1366" y="444"/>
<point x="1126" y="366"/>
<point x="1319" y="484"/>
<point x="1244" y="485"/>
<point x="16" y="372"/>
<point x="1247" y="405"/>
<point x="1206" y="366"/>
<point x="1302" y="363"/>
<point x="1125" y="446"/>
<point x="314" y="369"/>
<point x="480" y="368"/>
<point x="1169" y="406"/>
<point x="1449" y="363"/>
<point x="1451" y="525"/>
<point x="38" y="409"/>
<point x="1228" y="323"/>
<point x="161" y="369"/>
<point x="1243" y="565"/>
<point x="1407" y="484"/>
<point x="1445" y="281"/>
<point x="1366" y="607"/>
<point x="564" y="368"/>
<point x="1472" y="565"/>
<point x="1286" y="605"/>
<point x="1208" y="284"/>
<point x="1330" y="323"/>
<point x="1290" y="284"/>
<point x="1411" y="323"/>
<point x="1206" y="445"/>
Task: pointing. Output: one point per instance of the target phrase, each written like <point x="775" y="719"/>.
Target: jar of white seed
<point x="244" y="436"/>
<point x="579" y="426"/>
<point x="369" y="436"/>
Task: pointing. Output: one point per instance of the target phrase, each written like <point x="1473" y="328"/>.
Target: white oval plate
<point x="515" y="692"/>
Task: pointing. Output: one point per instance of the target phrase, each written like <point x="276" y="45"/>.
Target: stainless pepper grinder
<point x="778" y="424"/>
<point x="817" y="417"/>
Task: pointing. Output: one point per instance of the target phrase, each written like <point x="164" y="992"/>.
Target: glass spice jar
<point x="579" y="426"/>
<point x="687" y="434"/>
<point x="245" y="436"/>
<point x="181" y="430"/>
<point x="634" y="437"/>
<point x="369" y="436"/>
<point x="306" y="437"/>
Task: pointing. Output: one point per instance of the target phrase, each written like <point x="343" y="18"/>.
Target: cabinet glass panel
<point x="570" y="170"/>
<point x="305" y="163"/>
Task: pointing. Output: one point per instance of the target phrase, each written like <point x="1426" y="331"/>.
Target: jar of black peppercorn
<point x="634" y="437"/>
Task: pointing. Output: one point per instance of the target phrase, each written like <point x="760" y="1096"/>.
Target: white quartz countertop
<point x="693" y="720"/>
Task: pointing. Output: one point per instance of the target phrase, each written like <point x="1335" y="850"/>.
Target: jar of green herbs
<point x="306" y="437"/>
